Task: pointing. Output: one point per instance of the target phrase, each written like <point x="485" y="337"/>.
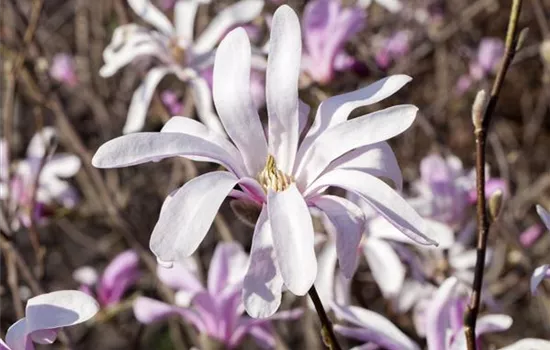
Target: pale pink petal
<point x="227" y="267"/>
<point x="263" y="282"/>
<point x="529" y="344"/>
<point x="141" y="99"/>
<point x="437" y="316"/>
<point x="3" y="346"/>
<point x="539" y="274"/>
<point x="119" y="275"/>
<point x="183" y="276"/>
<point x="203" y="102"/>
<point x="40" y="142"/>
<point x="493" y="323"/>
<point x="185" y="220"/>
<point x="86" y="275"/>
<point x="544" y="216"/>
<point x="147" y="310"/>
<point x="344" y="137"/>
<point x="238" y="13"/>
<point x="387" y="269"/>
<point x="381" y="197"/>
<point x="45" y="336"/>
<point x="145" y="147"/>
<point x="293" y="239"/>
<point x="326" y="266"/>
<point x="283" y="71"/>
<point x="303" y="111"/>
<point x="62" y="165"/>
<point x="17" y="337"/>
<point x="146" y="10"/>
<point x="349" y="222"/>
<point x="233" y="100"/>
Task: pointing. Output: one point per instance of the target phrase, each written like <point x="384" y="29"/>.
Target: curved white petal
<point x="184" y="19"/>
<point x="386" y="267"/>
<point x="17" y="335"/>
<point x="293" y="238"/>
<point x="493" y="323"/>
<point x="529" y="344"/>
<point x="539" y="274"/>
<point x="283" y="71"/>
<point x="231" y="91"/>
<point x="241" y="12"/>
<point x="325" y="281"/>
<point x="62" y="165"/>
<point x="344" y="137"/>
<point x="40" y="142"/>
<point x="145" y="147"/>
<point x="375" y="327"/>
<point x="141" y="99"/>
<point x="203" y="102"/>
<point x="263" y="282"/>
<point x="544" y="215"/>
<point x="437" y="317"/>
<point x="183" y="276"/>
<point x="146" y="10"/>
<point x="45" y="336"/>
<point x="381" y="197"/>
<point x="349" y="222"/>
<point x="185" y="220"/>
<point x="381" y="228"/>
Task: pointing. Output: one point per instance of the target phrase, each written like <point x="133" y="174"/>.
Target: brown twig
<point x="327" y="331"/>
<point x="482" y="121"/>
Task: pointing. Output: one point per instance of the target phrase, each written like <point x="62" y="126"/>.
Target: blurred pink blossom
<point x="528" y="237"/>
<point x="172" y="102"/>
<point x="63" y="69"/>
<point x="486" y="62"/>
<point x="393" y="49"/>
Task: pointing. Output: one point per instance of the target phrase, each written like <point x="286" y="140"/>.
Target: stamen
<point x="273" y="178"/>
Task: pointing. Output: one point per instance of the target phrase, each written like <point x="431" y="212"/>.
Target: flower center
<point x="178" y="52"/>
<point x="272" y="178"/>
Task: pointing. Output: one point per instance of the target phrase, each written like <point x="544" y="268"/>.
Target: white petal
<point x="437" y="317"/>
<point x="141" y="99"/>
<point x="241" y="12"/>
<point x="61" y="165"/>
<point x="234" y="102"/>
<point x="336" y="109"/>
<point x="184" y="19"/>
<point x="145" y="147"/>
<point x="203" y="102"/>
<point x="17" y="336"/>
<point x="185" y="220"/>
<point x="493" y="323"/>
<point x="386" y="267"/>
<point x="40" y="142"/>
<point x="283" y="70"/>
<point x="544" y="215"/>
<point x="293" y="239"/>
<point x="326" y="266"/>
<point x="344" y="137"/>
<point x="86" y="275"/>
<point x="349" y="222"/>
<point x="376" y="327"/>
<point x="381" y="197"/>
<point x="146" y="10"/>
<point x="539" y="274"/>
<point x="263" y="282"/>
<point x="529" y="344"/>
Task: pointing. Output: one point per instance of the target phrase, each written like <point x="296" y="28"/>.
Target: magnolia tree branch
<point x="327" y="332"/>
<point x="482" y="113"/>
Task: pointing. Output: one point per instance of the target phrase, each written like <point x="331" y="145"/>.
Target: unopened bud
<point x="521" y="38"/>
<point x="495" y="204"/>
<point x="478" y="109"/>
<point x="545" y="51"/>
<point x="246" y="210"/>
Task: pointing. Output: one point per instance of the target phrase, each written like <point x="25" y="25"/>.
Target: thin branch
<point x="482" y="121"/>
<point x="329" y="338"/>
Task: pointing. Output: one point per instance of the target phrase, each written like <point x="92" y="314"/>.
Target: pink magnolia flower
<point x="63" y="70"/>
<point x="121" y="273"/>
<point x="542" y="271"/>
<point x="327" y="26"/>
<point x="487" y="59"/>
<point x="51" y="189"/>
<point x="393" y="48"/>
<point x="282" y="175"/>
<point x="45" y="315"/>
<point x="215" y="310"/>
<point x="172" y="102"/>
<point x="175" y="49"/>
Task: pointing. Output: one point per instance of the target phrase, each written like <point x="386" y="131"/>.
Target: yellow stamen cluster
<point x="178" y="53"/>
<point x="273" y="178"/>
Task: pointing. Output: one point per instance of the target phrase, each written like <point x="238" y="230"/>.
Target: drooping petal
<point x="437" y="316"/>
<point x="145" y="147"/>
<point x="184" y="19"/>
<point x="146" y="10"/>
<point x="336" y="109"/>
<point x="283" y="70"/>
<point x="17" y="337"/>
<point x="381" y="197"/>
<point x="493" y="323"/>
<point x="293" y="238"/>
<point x="529" y="344"/>
<point x="227" y="267"/>
<point x="141" y="99"/>
<point x="544" y="216"/>
<point x="231" y="91"/>
<point x="263" y="282"/>
<point x="386" y="267"/>
<point x="122" y="271"/>
<point x="344" y="137"/>
<point x="375" y="327"/>
<point x="349" y="222"/>
<point x="539" y="274"/>
<point x="185" y="220"/>
<point x="238" y="13"/>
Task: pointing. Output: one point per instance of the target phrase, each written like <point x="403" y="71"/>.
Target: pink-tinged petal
<point x="326" y="266"/>
<point x="378" y="160"/>
<point x="145" y="147"/>
<point x="293" y="238"/>
<point x="241" y="12"/>
<point x="437" y="317"/>
<point x="375" y="327"/>
<point x="141" y="100"/>
<point x="227" y="267"/>
<point x="347" y="136"/>
<point x="349" y="222"/>
<point x="544" y="216"/>
<point x="283" y="71"/>
<point x="233" y="100"/>
<point x="529" y="344"/>
<point x="120" y="274"/>
<point x="386" y="267"/>
<point x="185" y="220"/>
<point x="183" y="277"/>
<point x="336" y="109"/>
<point x="45" y="336"/>
<point x="40" y="142"/>
<point x="263" y="282"/>
<point x="184" y="19"/>
<point x="203" y="102"/>
<point x="381" y="197"/>
<point x="539" y="274"/>
<point x="528" y="237"/>
<point x="490" y="53"/>
<point x="412" y="292"/>
<point x="149" y="13"/>
<point x="17" y="336"/>
<point x="208" y="308"/>
<point x="263" y="336"/>
<point x="147" y="310"/>
<point x="303" y="116"/>
<point x="4" y="346"/>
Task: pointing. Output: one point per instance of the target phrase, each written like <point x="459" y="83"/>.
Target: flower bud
<point x="495" y="204"/>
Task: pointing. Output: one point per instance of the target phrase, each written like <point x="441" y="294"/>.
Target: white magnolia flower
<point x="177" y="49"/>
